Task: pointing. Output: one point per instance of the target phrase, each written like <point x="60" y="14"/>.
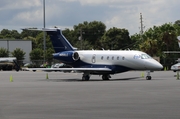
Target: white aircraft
<point x="4" y="63"/>
<point x="97" y="62"/>
<point x="7" y="59"/>
<point x="176" y="67"/>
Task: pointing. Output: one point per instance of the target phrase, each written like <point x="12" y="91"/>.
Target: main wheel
<point x="86" y="78"/>
<point x="105" y="77"/>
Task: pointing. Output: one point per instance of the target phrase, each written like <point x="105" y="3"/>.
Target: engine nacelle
<point x="67" y="56"/>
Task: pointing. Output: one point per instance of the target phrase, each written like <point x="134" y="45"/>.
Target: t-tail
<point x="59" y="42"/>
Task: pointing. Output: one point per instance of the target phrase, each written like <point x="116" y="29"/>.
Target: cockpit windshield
<point x="142" y="56"/>
<point x="145" y="56"/>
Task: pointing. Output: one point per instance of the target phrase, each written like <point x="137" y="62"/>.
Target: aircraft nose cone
<point x="153" y="65"/>
<point x="159" y="66"/>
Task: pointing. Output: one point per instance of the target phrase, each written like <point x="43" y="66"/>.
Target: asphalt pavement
<point x="58" y="95"/>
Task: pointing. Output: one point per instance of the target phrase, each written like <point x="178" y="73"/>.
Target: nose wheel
<point x="148" y="77"/>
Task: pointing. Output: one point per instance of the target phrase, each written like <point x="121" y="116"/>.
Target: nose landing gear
<point x="148" y="77"/>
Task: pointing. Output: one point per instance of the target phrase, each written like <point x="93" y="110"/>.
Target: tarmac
<point x="58" y="95"/>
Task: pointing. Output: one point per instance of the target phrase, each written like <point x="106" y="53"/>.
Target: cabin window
<point x="107" y="57"/>
<point x="118" y="58"/>
<point x="137" y="56"/>
<point x="101" y="57"/>
<point x="123" y="58"/>
<point x="112" y="57"/>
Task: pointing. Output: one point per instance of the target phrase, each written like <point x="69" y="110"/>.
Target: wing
<point x="70" y="69"/>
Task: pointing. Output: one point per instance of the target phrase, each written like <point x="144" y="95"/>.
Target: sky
<point x="18" y="14"/>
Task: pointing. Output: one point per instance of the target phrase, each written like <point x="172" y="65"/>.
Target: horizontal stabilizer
<point x="43" y="29"/>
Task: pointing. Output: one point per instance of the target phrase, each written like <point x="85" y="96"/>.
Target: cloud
<point x="28" y="17"/>
<point x="66" y="13"/>
<point x="19" y="12"/>
<point x="19" y="4"/>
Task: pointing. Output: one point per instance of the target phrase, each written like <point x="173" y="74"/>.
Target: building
<point x="11" y="45"/>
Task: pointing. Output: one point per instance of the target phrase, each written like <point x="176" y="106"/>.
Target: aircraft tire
<point x="86" y="78"/>
<point x="148" y="77"/>
<point x="105" y="77"/>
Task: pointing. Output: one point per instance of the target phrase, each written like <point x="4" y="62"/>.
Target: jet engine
<point x="67" y="56"/>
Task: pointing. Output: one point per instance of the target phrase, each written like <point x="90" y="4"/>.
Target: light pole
<point x="142" y="27"/>
<point x="44" y="35"/>
<point x="80" y="38"/>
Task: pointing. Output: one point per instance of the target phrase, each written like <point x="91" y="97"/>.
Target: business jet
<point x="97" y="62"/>
<point x="176" y="67"/>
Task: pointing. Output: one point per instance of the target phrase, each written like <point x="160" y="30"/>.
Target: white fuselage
<point x="126" y="58"/>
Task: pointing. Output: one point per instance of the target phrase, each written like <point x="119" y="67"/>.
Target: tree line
<point x="93" y="35"/>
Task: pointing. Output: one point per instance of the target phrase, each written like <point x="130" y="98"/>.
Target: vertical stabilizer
<point x="59" y="42"/>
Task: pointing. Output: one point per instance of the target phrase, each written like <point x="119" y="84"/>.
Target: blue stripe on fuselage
<point x="115" y="68"/>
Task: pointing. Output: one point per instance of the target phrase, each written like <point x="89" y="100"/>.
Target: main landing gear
<point x="85" y="77"/>
<point x="106" y="77"/>
<point x="148" y="77"/>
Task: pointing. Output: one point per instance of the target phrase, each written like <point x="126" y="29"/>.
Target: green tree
<point x="19" y="54"/>
<point x="38" y="41"/>
<point x="15" y="34"/>
<point x="34" y="44"/>
<point x="91" y="32"/>
<point x="150" y="41"/>
<point x="136" y="39"/>
<point x="150" y="47"/>
<point x="49" y="56"/>
<point x="36" y="56"/>
<point x="71" y="36"/>
<point x="4" y="52"/>
<point x="158" y="39"/>
<point x="177" y="22"/>
<point x="26" y="33"/>
<point x="6" y="33"/>
<point x="116" y="39"/>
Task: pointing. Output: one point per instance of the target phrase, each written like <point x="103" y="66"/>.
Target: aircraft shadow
<point x="93" y="80"/>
